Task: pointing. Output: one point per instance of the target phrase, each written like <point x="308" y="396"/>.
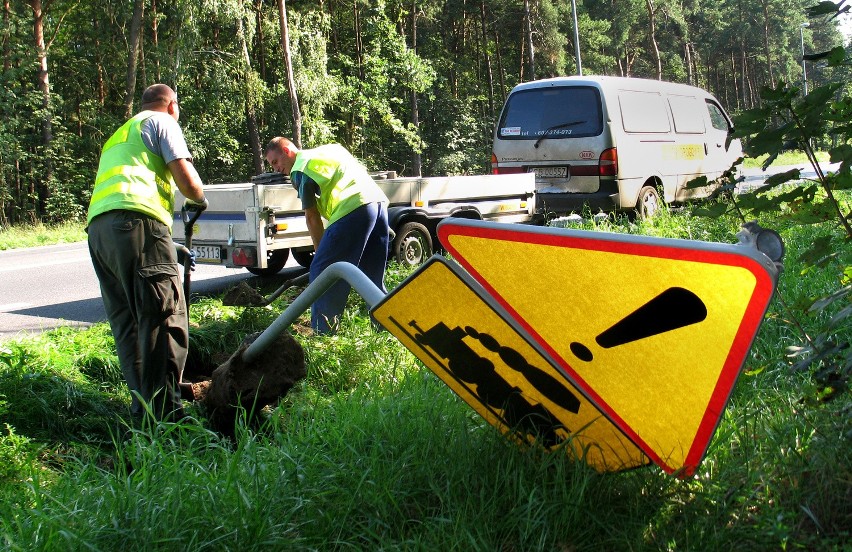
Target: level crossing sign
<point x="652" y="331"/>
<point x="444" y="317"/>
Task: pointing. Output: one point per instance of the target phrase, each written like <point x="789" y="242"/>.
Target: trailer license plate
<point x="207" y="253"/>
<point x="550" y="172"/>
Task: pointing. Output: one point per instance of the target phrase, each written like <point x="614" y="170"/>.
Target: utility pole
<point x="577" y="38"/>
<point x="804" y="70"/>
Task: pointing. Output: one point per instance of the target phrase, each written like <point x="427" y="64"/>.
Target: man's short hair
<point x="278" y="143"/>
<point x="158" y="94"/>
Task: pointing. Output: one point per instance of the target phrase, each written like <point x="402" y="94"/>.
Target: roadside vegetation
<point x="372" y="451"/>
<point x="32" y="235"/>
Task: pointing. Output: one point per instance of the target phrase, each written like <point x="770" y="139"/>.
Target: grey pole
<point x="804" y="71"/>
<point x="577" y="38"/>
<point x="328" y="277"/>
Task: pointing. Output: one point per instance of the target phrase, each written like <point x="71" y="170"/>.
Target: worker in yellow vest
<point x="336" y="187"/>
<point x="129" y="230"/>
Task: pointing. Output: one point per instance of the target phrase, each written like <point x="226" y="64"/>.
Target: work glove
<point x="192" y="206"/>
<point x="182" y="252"/>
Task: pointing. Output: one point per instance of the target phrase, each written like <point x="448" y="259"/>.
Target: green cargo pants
<point x="135" y="262"/>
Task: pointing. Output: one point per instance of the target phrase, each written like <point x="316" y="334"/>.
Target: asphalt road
<point x="43" y="288"/>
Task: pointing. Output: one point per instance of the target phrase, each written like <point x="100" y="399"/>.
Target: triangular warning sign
<point x="653" y="330"/>
<point x="444" y="317"/>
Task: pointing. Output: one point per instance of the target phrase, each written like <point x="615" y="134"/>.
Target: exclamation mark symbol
<point x="672" y="309"/>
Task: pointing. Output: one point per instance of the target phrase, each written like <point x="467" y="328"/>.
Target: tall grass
<point x="32" y="235"/>
<point x="372" y="452"/>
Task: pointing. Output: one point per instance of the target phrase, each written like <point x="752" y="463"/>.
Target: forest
<point x="407" y="85"/>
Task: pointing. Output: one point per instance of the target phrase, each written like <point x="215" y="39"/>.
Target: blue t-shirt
<point x="306" y="188"/>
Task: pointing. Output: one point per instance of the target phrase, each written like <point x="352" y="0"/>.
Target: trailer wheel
<point x="412" y="245"/>
<point x="648" y="204"/>
<point x="303" y="256"/>
<point x="274" y="263"/>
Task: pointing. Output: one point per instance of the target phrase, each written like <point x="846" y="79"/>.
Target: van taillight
<point x="608" y="163"/>
<point x="496" y="169"/>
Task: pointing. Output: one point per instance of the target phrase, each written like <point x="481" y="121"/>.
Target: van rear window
<point x="557" y="112"/>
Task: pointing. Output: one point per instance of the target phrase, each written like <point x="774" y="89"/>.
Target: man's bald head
<point x="158" y="96"/>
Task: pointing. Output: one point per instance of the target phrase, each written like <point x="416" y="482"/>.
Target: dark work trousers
<point x="135" y="261"/>
<point x="360" y="238"/>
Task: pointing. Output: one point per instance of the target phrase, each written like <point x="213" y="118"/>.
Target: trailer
<point x="257" y="225"/>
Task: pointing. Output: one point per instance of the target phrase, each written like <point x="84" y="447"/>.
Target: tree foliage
<point x="395" y="80"/>
<point x="786" y="118"/>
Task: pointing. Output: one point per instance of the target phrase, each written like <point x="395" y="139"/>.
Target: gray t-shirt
<point x="163" y="136"/>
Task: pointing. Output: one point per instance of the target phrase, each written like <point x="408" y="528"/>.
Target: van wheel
<point x="412" y="245"/>
<point x="649" y="203"/>
<point x="274" y="263"/>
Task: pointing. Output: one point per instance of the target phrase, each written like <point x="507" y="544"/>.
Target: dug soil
<point x="240" y="386"/>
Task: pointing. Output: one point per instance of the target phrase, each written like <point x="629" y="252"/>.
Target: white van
<point x="613" y="143"/>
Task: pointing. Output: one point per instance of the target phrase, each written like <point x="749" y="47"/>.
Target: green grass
<point x="371" y="451"/>
<point x="32" y="235"/>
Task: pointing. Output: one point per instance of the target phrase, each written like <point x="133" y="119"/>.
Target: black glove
<point x="181" y="256"/>
<point x="191" y="206"/>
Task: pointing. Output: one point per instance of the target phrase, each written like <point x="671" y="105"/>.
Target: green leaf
<point x="820" y="249"/>
<point x="823" y="8"/>
<point x="823" y="302"/>
<point x="712" y="211"/>
<point x="768" y="141"/>
<point x="782" y="93"/>
<point x="780" y="178"/>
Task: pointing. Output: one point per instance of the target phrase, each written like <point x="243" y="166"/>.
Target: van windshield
<point x="554" y="112"/>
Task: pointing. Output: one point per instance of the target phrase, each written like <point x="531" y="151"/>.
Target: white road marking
<point x="13" y="306"/>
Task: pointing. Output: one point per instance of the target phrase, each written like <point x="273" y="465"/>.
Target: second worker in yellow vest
<point x="335" y="187"/>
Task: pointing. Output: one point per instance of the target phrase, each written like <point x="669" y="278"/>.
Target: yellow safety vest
<point x="344" y="183"/>
<point x="132" y="177"/>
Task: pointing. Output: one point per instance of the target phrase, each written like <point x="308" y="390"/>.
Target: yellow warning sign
<point x="654" y="331"/>
<point x="443" y="317"/>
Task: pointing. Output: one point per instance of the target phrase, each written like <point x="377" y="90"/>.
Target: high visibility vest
<point x="132" y="177"/>
<point x="344" y="183"/>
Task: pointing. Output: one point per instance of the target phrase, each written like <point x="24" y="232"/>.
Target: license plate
<point x="550" y="172"/>
<point x="207" y="253"/>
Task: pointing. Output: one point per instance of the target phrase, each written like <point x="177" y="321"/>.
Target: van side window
<point x="643" y="112"/>
<point x="717" y="117"/>
<point x="687" y="114"/>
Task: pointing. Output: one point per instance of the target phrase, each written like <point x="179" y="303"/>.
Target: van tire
<point x="648" y="204"/>
<point x="412" y="244"/>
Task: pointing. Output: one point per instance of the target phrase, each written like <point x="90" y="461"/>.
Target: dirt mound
<point x="238" y="385"/>
<point x="242" y="295"/>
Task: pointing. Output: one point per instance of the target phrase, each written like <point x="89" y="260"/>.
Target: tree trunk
<point x="133" y="57"/>
<point x="766" y="43"/>
<point x="259" y="40"/>
<point x="652" y="35"/>
<point x="487" y="59"/>
<point x="43" y="79"/>
<point x="416" y="158"/>
<point x="688" y="61"/>
<point x="7" y="30"/>
<point x="251" y="119"/>
<point x="155" y="39"/>
<point x="501" y="72"/>
<point x="291" y="83"/>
